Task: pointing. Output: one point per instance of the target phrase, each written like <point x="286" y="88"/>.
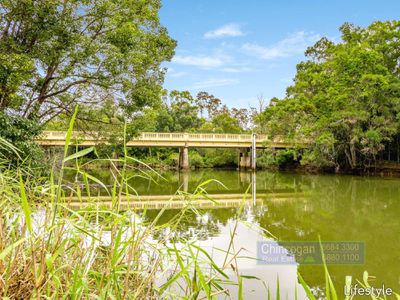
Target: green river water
<point x="334" y="207"/>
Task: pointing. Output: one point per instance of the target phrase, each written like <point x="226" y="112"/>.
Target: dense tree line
<point x="345" y="98"/>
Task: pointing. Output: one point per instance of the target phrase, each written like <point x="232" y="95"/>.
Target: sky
<point x="237" y="50"/>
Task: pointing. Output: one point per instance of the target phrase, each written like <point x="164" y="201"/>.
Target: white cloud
<point x="199" y="61"/>
<point x="178" y="74"/>
<point x="236" y="69"/>
<point x="214" y="83"/>
<point x="231" y="30"/>
<point x="294" y="44"/>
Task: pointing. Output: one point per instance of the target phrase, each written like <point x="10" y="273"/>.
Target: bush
<point x="20" y="132"/>
<point x="172" y="159"/>
<point x="286" y="158"/>
<point x="196" y="160"/>
<point x="266" y="159"/>
<point x="220" y="157"/>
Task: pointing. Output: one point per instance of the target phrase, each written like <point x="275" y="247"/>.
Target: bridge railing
<point x="198" y="136"/>
<point x="61" y="135"/>
<point x="164" y="136"/>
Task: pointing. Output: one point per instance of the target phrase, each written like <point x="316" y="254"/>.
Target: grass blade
<point x="79" y="154"/>
<point x="25" y="205"/>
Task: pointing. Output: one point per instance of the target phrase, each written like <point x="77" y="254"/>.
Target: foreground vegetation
<point x="48" y="250"/>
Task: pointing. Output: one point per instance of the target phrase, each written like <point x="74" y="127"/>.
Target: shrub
<point x="266" y="159"/>
<point x="196" y="160"/>
<point x="20" y="132"/>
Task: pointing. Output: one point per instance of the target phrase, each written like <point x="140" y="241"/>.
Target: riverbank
<point x="381" y="168"/>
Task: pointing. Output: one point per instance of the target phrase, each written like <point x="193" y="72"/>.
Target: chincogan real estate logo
<point x="309" y="252"/>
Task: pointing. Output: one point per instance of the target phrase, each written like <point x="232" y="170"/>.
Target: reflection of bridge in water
<point x="244" y="194"/>
<point x="182" y="200"/>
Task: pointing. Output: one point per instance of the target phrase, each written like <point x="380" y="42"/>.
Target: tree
<point x="345" y="97"/>
<point x="54" y="54"/>
<point x="242" y="115"/>
<point x="19" y="131"/>
<point x="180" y="116"/>
<point x="261" y="103"/>
<point x="222" y="123"/>
<point x="206" y="101"/>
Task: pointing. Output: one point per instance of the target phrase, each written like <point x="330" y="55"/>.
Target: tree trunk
<point x="353" y="154"/>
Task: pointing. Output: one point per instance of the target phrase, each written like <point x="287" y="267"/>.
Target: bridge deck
<point x="161" y="139"/>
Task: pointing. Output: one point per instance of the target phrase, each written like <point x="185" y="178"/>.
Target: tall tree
<point x="56" y="53"/>
<point x="345" y="97"/>
<point x="180" y="114"/>
<point x="206" y="101"/>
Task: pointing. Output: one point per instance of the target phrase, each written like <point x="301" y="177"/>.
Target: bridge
<point x="245" y="142"/>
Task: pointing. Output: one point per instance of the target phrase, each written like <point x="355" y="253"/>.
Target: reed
<point x="49" y="251"/>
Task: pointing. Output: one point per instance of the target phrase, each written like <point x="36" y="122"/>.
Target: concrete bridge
<point x="246" y="143"/>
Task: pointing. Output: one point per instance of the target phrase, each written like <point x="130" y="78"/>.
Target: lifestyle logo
<point x="355" y="290"/>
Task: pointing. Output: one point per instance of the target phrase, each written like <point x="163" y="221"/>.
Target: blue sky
<point x="237" y="50"/>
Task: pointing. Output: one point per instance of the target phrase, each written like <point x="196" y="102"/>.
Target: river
<point x="291" y="207"/>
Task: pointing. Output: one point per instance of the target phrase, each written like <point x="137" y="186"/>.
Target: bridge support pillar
<point x="244" y="158"/>
<point x="184" y="158"/>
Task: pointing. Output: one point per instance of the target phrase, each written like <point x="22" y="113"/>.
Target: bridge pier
<point x="244" y="158"/>
<point x="184" y="158"/>
<point x="247" y="157"/>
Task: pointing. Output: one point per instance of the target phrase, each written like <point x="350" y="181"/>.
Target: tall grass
<point x="49" y="251"/>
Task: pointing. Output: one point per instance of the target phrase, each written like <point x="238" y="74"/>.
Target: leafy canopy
<point x="346" y="97"/>
<point x="56" y="53"/>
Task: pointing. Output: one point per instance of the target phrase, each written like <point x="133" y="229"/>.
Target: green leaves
<point x="16" y="134"/>
<point x="79" y="154"/>
<point x="76" y="49"/>
<point x="345" y="98"/>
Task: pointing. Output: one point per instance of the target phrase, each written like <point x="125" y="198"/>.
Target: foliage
<point x="105" y="252"/>
<point x="266" y="159"/>
<point x="196" y="160"/>
<point x="179" y="114"/>
<point x="54" y="54"/>
<point x="286" y="157"/>
<point x="20" y="133"/>
<point x="76" y="246"/>
<point x="208" y="103"/>
<point x="222" y="123"/>
<point x="283" y="158"/>
<point x="345" y="97"/>
<point x="220" y="157"/>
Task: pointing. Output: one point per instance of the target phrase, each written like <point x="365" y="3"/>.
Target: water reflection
<point x="293" y="207"/>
